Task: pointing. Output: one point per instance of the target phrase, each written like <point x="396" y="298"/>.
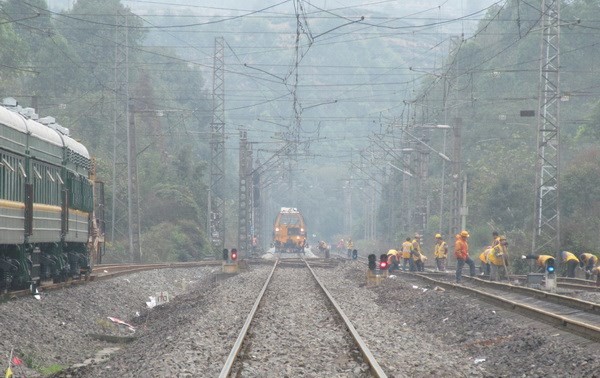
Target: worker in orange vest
<point x="461" y="251"/>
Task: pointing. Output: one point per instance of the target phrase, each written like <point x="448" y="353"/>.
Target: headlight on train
<point x="276" y="229"/>
<point x="301" y="230"/>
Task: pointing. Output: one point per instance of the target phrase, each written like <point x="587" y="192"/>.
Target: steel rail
<point x="226" y="370"/>
<point x="578" y="304"/>
<point x="114" y="270"/>
<point x="376" y="369"/>
<point x="588" y="331"/>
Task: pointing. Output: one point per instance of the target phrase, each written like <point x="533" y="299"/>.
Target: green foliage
<point x="580" y="202"/>
<point x="54" y="368"/>
<point x="31" y="361"/>
<point x="170" y="203"/>
<point x="175" y="241"/>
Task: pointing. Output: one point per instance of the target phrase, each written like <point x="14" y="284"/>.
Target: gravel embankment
<point x="297" y="333"/>
<point x="442" y="333"/>
<point x="190" y="336"/>
<point x="53" y="332"/>
<point x="412" y="332"/>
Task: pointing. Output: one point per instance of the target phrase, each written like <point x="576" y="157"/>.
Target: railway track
<point x="569" y="314"/>
<point x="105" y="271"/>
<point x="297" y="328"/>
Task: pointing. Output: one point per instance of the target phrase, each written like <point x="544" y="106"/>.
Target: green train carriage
<point x="46" y="200"/>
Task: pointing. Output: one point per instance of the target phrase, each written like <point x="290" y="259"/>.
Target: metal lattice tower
<point x="457" y="178"/>
<point x="245" y="195"/>
<point x="216" y="203"/>
<point x="546" y="235"/>
<point x="119" y="209"/>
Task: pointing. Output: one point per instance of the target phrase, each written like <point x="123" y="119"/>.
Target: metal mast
<point x="546" y="235"/>
<point x="120" y="199"/>
<point x="216" y="203"/>
<point x="451" y="96"/>
<point x="133" y="202"/>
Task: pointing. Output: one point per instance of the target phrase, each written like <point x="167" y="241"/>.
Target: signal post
<point x="376" y="273"/>
<point x="230" y="261"/>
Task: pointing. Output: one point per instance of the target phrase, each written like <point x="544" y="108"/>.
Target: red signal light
<point x="234" y="254"/>
<point x="383" y="262"/>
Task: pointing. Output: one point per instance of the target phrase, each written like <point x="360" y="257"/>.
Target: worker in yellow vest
<point x="417" y="256"/>
<point x="440" y="253"/>
<point x="541" y="261"/>
<point x="485" y="262"/>
<point x="570" y="261"/>
<point x="588" y="262"/>
<point x="349" y="247"/>
<point x="393" y="260"/>
<point x="596" y="271"/>
<point x="498" y="258"/>
<point x="407" y="248"/>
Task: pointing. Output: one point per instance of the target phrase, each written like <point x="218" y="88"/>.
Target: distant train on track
<point x="51" y="209"/>
<point x="289" y="231"/>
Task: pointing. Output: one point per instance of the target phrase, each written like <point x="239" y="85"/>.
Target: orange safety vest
<point x="461" y="248"/>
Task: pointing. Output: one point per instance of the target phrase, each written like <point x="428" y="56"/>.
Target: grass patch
<point x="29" y="360"/>
<point x="54" y="368"/>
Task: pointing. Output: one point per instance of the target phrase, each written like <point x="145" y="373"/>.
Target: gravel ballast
<point x="296" y="332"/>
<point x="54" y="332"/>
<point x="413" y="332"/>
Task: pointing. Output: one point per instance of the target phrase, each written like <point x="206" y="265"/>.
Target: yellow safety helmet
<point x="438" y="236"/>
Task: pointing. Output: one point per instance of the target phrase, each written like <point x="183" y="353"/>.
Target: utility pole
<point x="348" y="208"/>
<point x="121" y="220"/>
<point x="455" y="221"/>
<point x="406" y="207"/>
<point x="133" y="203"/>
<point x="216" y="193"/>
<point x="546" y="230"/>
<point x="422" y="169"/>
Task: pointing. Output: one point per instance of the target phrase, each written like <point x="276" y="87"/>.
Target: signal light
<point x="550" y="268"/>
<point x="372" y="261"/>
<point x="225" y="254"/>
<point x="234" y="254"/>
<point x="354" y="254"/>
<point x="383" y="262"/>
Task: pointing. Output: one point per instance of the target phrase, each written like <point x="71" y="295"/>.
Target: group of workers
<point x="494" y="258"/>
<point x="413" y="259"/>
<point x="410" y="254"/>
<point x="586" y="261"/>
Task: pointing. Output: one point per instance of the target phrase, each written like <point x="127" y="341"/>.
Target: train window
<point x="6" y="164"/>
<point x="37" y="173"/>
<point x="293" y="231"/>
<point x="59" y="178"/>
<point x="50" y="175"/>
<point x="22" y="170"/>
